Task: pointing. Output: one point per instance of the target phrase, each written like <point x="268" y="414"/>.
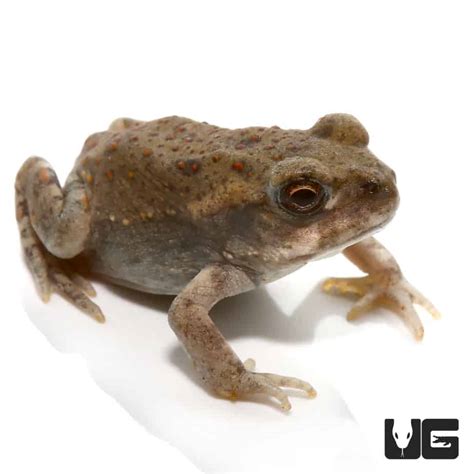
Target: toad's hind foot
<point x="52" y="274"/>
<point x="392" y="292"/>
<point x="75" y="288"/>
<point x="269" y="384"/>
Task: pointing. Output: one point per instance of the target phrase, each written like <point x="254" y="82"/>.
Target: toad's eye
<point x="302" y="197"/>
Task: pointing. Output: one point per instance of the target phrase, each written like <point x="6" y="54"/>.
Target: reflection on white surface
<point x="136" y="359"/>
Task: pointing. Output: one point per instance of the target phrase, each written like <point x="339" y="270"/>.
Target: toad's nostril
<point x="371" y="187"/>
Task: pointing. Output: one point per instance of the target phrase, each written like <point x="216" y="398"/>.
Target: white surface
<point x="404" y="70"/>
<point x="136" y="359"/>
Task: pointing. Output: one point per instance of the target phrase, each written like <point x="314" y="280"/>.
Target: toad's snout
<point x="382" y="191"/>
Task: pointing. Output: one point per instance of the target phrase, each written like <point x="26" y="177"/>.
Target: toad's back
<point x="166" y="195"/>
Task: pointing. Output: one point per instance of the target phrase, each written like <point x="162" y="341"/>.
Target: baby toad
<point x="178" y="207"/>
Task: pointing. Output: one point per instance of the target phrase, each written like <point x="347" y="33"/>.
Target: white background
<point x="405" y="70"/>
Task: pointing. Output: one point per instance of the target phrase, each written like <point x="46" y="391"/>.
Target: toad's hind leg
<point x="53" y="225"/>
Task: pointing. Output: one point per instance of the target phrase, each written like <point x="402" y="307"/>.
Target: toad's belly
<point x="164" y="259"/>
<point x="153" y="258"/>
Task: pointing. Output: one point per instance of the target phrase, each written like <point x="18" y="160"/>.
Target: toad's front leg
<point x="213" y="358"/>
<point x="384" y="285"/>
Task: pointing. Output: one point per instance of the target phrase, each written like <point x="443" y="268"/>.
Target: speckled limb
<point x="216" y="362"/>
<point x="53" y="225"/>
<point x="384" y="285"/>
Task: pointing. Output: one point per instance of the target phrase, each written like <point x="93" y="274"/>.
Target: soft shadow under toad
<point x="255" y="314"/>
<point x="159" y="303"/>
<point x="250" y="315"/>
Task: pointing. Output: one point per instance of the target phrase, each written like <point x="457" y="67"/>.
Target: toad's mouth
<point x="352" y="241"/>
<point x="356" y="225"/>
<point x="340" y="228"/>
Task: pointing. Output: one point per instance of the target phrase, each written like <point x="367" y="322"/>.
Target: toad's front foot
<point x="385" y="289"/>
<point x="264" y="383"/>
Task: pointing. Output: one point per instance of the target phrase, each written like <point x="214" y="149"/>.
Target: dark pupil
<point x="303" y="197"/>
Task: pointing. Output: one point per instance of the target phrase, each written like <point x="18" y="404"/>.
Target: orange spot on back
<point x="238" y="166"/>
<point x="147" y="152"/>
<point x="254" y="138"/>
